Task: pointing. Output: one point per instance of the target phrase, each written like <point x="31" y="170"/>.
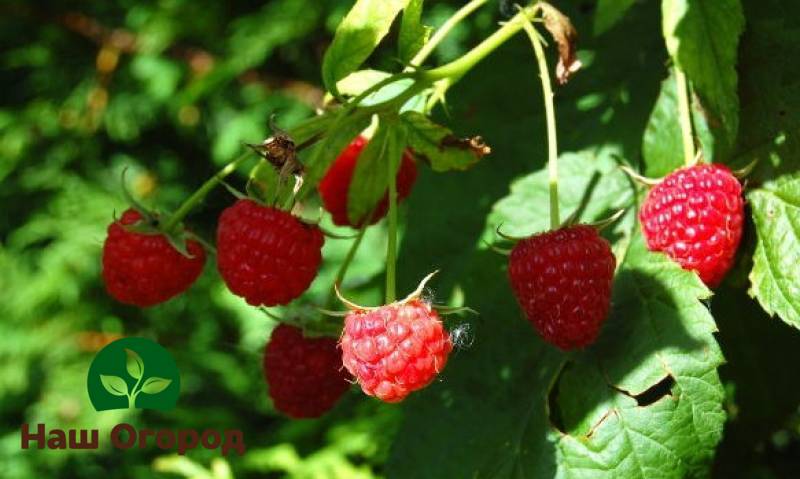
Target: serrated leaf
<point x="507" y="420"/>
<point x="379" y="159"/>
<point x="114" y="385"/>
<point x="413" y="34"/>
<point x="609" y="13"/>
<point x="662" y="145"/>
<point x="338" y="136"/>
<point x="589" y="181"/>
<point x="439" y="146"/>
<point x="134" y="364"/>
<point x="356" y="37"/>
<point x="775" y="278"/>
<point x="703" y="37"/>
<point x="155" y="385"/>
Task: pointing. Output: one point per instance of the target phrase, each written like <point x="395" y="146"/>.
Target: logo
<point x="133" y="373"/>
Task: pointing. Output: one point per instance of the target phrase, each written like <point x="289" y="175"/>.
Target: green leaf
<point x="338" y="136"/>
<point x="134" y="364"/>
<point x="155" y="385"/>
<point x="702" y="37"/>
<point x="369" y="183"/>
<point x="439" y="146"/>
<point x="356" y="37"/>
<point x="769" y="88"/>
<point x="609" y="12"/>
<point x="645" y="401"/>
<point x="358" y="81"/>
<point x="662" y="145"/>
<point x="775" y="278"/>
<point x="413" y="34"/>
<point x="114" y="385"/>
<point x="589" y="181"/>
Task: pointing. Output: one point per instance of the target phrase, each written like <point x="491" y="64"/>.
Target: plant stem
<point x="685" y="117"/>
<point x="351" y="253"/>
<point x="550" y="114"/>
<point x="175" y="219"/>
<point x="391" y="246"/>
<point x="134" y="393"/>
<point x="442" y="32"/>
<point x="457" y="68"/>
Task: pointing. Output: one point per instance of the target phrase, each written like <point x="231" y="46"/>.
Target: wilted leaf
<point x="439" y="146"/>
<point x="565" y="35"/>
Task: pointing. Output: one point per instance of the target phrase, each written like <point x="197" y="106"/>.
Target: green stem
<point x="550" y="114"/>
<point x="134" y="393"/>
<point x="458" y="68"/>
<point x="351" y="253"/>
<point x="391" y="246"/>
<point x="685" y="117"/>
<point x="175" y="219"/>
<point x="442" y="32"/>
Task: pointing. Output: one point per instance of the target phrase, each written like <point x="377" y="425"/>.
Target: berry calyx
<point x="305" y="375"/>
<point x="266" y="255"/>
<point x="395" y="349"/>
<point x="334" y="186"/>
<point x="142" y="267"/>
<point x="562" y="280"/>
<point x="695" y="216"/>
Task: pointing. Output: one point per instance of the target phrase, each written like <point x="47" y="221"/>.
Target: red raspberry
<point x="144" y="269"/>
<point x="334" y="186"/>
<point x="395" y="349"/>
<point x="562" y="280"/>
<point x="305" y="375"/>
<point x="266" y="255"/>
<point x="695" y="215"/>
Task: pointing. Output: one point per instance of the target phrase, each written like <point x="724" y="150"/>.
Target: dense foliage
<point x="681" y="382"/>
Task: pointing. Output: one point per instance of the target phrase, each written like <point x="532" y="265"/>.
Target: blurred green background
<point x="170" y="89"/>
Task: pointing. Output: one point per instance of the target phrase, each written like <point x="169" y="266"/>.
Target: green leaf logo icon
<point x="155" y="385"/>
<point x="135" y="364"/>
<point x="115" y="385"/>
<point x="133" y="373"/>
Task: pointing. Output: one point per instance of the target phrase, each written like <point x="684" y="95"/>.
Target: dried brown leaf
<point x="565" y="35"/>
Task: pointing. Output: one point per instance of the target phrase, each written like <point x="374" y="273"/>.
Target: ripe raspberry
<point x="144" y="269"/>
<point x="305" y="375"/>
<point x="562" y="280"/>
<point x="334" y="186"/>
<point x="695" y="215"/>
<point x="395" y="349"/>
<point x="265" y="255"/>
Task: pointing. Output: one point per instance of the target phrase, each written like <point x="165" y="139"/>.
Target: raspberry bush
<point x="608" y="191"/>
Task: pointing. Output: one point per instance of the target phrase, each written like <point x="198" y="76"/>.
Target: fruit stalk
<point x="391" y="246"/>
<point x="175" y="219"/>
<point x="351" y="253"/>
<point x="685" y="117"/>
<point x="550" y="114"/>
